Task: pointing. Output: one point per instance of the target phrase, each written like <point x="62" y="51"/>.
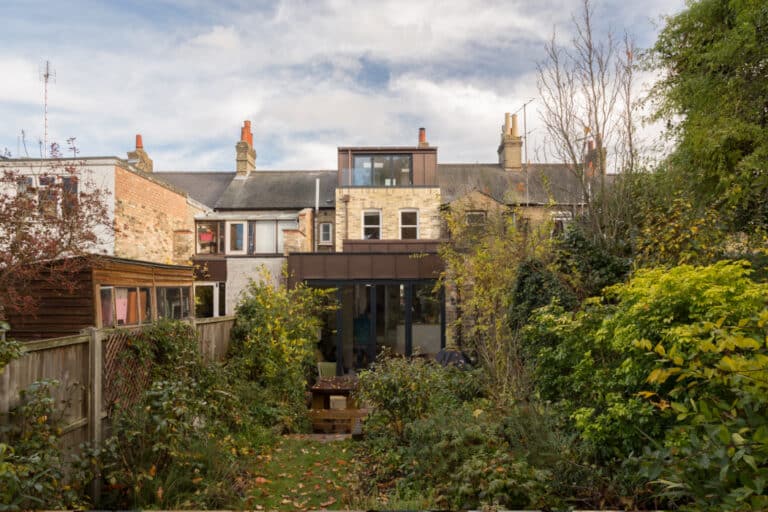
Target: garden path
<point x="303" y="472"/>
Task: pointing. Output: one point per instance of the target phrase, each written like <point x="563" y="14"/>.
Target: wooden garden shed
<point x="105" y="291"/>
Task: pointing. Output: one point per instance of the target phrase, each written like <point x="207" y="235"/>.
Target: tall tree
<point x="47" y="219"/>
<point x="586" y="90"/>
<point x="713" y="94"/>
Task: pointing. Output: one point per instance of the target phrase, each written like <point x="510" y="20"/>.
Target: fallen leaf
<point x="329" y="502"/>
<point x="260" y="480"/>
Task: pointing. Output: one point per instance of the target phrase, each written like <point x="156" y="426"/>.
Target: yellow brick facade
<point x="352" y="202"/>
<point x="152" y="222"/>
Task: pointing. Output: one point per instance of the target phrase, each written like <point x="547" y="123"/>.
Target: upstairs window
<point x="372" y="225"/>
<point x="236" y="238"/>
<point x="326" y="233"/>
<point x="560" y="221"/>
<point x="409" y="224"/>
<point x="47" y="197"/>
<point x="25" y="185"/>
<point x="210" y="237"/>
<point x="382" y="171"/>
<point x="69" y="194"/>
<point x="476" y="218"/>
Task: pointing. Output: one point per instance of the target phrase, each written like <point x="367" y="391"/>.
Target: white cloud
<point x="187" y="82"/>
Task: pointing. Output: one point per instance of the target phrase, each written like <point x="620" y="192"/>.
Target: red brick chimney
<point x="139" y="158"/>
<point x="423" y="138"/>
<point x="245" y="154"/>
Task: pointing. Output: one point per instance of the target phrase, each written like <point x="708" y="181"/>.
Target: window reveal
<point x="372" y="225"/>
<point x="409" y="225"/>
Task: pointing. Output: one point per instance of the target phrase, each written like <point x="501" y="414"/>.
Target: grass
<point x="302" y="474"/>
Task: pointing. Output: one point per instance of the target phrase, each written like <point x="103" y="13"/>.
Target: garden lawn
<point x="302" y="474"/>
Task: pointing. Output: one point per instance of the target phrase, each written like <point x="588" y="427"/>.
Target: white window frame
<point x="216" y="302"/>
<point x="363" y="226"/>
<point x="417" y="225"/>
<point x="322" y="240"/>
<point x="228" y="240"/>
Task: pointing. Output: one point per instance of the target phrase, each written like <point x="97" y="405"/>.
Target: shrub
<point x="187" y="442"/>
<point x="272" y="350"/>
<point x="34" y="474"/>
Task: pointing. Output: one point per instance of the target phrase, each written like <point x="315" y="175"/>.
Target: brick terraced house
<point x="370" y="229"/>
<point x="150" y="245"/>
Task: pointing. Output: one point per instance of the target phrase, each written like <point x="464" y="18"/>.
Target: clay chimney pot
<point x="139" y="143"/>
<point x="422" y="135"/>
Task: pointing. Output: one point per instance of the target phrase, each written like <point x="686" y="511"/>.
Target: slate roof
<point x="271" y="190"/>
<point x="534" y="184"/>
<point x="205" y="187"/>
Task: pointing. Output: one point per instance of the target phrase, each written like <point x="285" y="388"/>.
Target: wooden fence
<point x="91" y="374"/>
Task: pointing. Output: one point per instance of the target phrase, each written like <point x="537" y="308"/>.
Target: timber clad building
<point x="370" y="229"/>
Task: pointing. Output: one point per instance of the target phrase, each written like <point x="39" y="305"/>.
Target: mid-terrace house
<point x="141" y="269"/>
<point x="370" y="229"/>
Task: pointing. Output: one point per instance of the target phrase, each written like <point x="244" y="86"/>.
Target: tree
<point x="713" y="96"/>
<point x="47" y="220"/>
<point x="587" y="93"/>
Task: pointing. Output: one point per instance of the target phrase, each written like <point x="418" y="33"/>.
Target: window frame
<point x="409" y="226"/>
<point x="560" y="220"/>
<point x="228" y="237"/>
<point x="218" y="243"/>
<point x="140" y="306"/>
<point x="218" y="297"/>
<point x="320" y="237"/>
<point x="364" y="226"/>
<point x="478" y="214"/>
<point x="370" y="178"/>
<point x="190" y="307"/>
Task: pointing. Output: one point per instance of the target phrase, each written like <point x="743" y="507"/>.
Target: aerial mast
<point x="46" y="76"/>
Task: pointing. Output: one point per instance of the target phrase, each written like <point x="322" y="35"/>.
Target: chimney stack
<point x="423" y="138"/>
<point x="139" y="158"/>
<point x="510" y="148"/>
<point x="245" y="154"/>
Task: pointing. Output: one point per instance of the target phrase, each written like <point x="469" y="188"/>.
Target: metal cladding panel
<point x="333" y="268"/>
<point x="407" y="266"/>
<point x="363" y="266"/>
<point x="360" y="266"/>
<point x="384" y="266"/>
<point x="210" y="270"/>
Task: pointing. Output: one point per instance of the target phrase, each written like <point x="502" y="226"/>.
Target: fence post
<point x="95" y="372"/>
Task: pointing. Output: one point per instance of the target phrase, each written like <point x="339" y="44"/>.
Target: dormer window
<point x="382" y="171"/>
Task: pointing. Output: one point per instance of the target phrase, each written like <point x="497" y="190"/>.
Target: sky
<point x="311" y="75"/>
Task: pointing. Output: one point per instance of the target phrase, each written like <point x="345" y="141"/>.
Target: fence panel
<point x="122" y="379"/>
<point x="62" y="359"/>
<point x="213" y="336"/>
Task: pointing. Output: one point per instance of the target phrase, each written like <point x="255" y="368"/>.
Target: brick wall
<point x="150" y="219"/>
<point x="349" y="215"/>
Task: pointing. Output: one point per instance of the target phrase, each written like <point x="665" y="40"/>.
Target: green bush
<point x="34" y="473"/>
<point x="713" y="375"/>
<point x="188" y="442"/>
<point x="677" y="363"/>
<point x="432" y="433"/>
<point x="272" y="351"/>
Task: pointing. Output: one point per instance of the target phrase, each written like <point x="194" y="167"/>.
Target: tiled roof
<point x="270" y="190"/>
<point x="534" y="184"/>
<point x="205" y="187"/>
